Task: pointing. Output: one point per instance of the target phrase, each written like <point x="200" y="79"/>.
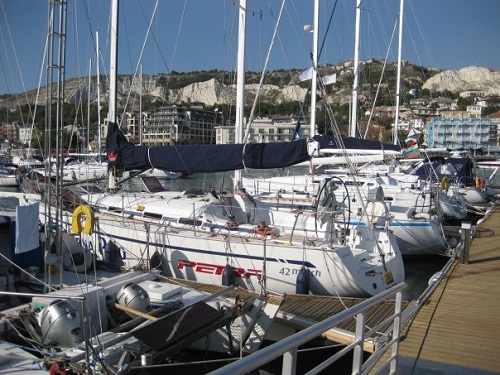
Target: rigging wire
<point x="139" y="61"/>
<point x="174" y="53"/>
<point x="259" y="90"/>
<point x="302" y="104"/>
<point x="380" y="82"/>
<point x="425" y="41"/>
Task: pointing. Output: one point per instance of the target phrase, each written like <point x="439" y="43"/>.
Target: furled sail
<point x="203" y="158"/>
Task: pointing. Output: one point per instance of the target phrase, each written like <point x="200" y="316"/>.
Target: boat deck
<point x="457" y="331"/>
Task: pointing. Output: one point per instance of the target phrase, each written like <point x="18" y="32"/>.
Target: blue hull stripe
<point x="210" y="252"/>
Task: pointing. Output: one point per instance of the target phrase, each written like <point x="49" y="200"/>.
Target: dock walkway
<point x="458" y="330"/>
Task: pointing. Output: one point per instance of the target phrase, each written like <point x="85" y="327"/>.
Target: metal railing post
<point x="466" y="240"/>
<point x="396" y="332"/>
<point x="289" y="362"/>
<point x="357" y="359"/>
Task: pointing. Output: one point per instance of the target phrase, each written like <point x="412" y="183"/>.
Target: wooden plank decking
<point x="458" y="330"/>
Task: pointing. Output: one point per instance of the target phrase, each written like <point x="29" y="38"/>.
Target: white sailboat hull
<point x="363" y="263"/>
<point x="202" y="256"/>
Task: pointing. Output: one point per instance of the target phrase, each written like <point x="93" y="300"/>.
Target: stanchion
<point x="466" y="240"/>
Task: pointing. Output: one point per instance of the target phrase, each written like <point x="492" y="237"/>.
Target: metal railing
<point x="287" y="348"/>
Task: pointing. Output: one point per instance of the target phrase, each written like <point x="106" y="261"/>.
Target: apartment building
<point x="264" y="130"/>
<point x="173" y="125"/>
<point x="461" y="132"/>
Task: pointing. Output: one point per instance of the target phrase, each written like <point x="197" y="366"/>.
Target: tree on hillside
<point x="462" y="103"/>
<point x="491" y="109"/>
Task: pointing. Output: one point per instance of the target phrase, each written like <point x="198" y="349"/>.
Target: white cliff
<point x="213" y="92"/>
<point x="470" y="78"/>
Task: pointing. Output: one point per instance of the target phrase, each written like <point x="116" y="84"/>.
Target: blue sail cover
<point x="352" y="143"/>
<point x="202" y="158"/>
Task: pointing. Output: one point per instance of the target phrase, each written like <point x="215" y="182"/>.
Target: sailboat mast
<point x="240" y="86"/>
<point x="314" y="82"/>
<point x="398" y="80"/>
<point x="113" y="66"/>
<point x="140" y="108"/>
<point x="98" y="97"/>
<point x="113" y="62"/>
<point x="56" y="67"/>
<point x="353" y="131"/>
<point x="88" y="104"/>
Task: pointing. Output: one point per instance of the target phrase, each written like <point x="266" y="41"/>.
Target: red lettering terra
<point x="216" y="269"/>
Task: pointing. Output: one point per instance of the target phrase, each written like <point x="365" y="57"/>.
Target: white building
<point x="25" y="134"/>
<point x="263" y="130"/>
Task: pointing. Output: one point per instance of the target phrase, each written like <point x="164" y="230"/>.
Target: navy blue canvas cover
<point x="202" y="158"/>
<point x="352" y="143"/>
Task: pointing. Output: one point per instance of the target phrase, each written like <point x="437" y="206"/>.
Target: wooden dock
<point x="458" y="330"/>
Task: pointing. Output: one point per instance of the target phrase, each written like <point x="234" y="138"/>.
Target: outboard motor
<point x="60" y="324"/>
<point x="134" y="297"/>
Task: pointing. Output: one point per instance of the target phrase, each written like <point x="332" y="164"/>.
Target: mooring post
<point x="466" y="240"/>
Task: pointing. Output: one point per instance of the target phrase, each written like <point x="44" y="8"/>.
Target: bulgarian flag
<point x="412" y="150"/>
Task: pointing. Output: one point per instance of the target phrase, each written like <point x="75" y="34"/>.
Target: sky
<point x="193" y="35"/>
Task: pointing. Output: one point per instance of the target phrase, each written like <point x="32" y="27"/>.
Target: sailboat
<point x="216" y="237"/>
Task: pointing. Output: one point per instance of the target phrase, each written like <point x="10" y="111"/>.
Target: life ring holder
<point x="76" y="221"/>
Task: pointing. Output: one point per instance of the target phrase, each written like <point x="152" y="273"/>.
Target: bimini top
<point x="203" y="158"/>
